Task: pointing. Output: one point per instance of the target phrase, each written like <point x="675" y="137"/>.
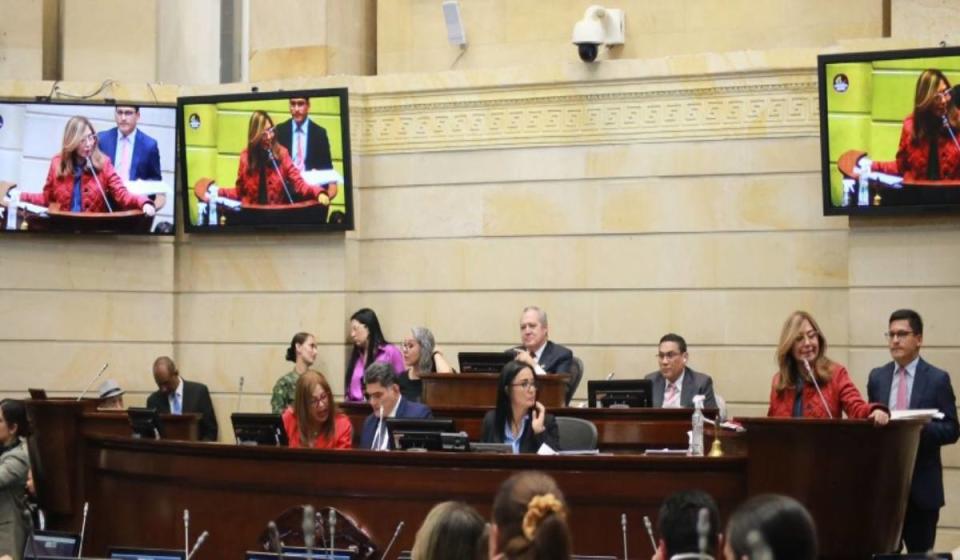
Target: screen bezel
<point x="186" y="191"/>
<point x="822" y="61"/>
<point x="260" y="423"/>
<point x="643" y="387"/>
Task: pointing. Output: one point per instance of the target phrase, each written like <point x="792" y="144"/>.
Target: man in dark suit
<point x="383" y="394"/>
<point x="536" y="351"/>
<point x="305" y="140"/>
<point x="910" y="382"/>
<point x="679" y="523"/>
<point x="178" y="395"/>
<point x="134" y="154"/>
<point x="675" y="385"/>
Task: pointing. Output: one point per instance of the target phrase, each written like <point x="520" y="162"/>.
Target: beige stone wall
<point x="21" y="39"/>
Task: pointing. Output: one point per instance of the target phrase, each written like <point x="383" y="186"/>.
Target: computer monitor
<point x="131" y="553"/>
<point x="318" y="553"/>
<point x="420" y="433"/>
<point x="52" y="544"/>
<point x="484" y="362"/>
<point x="258" y="429"/>
<point x="38" y="394"/>
<point x="145" y="423"/>
<point x="620" y="393"/>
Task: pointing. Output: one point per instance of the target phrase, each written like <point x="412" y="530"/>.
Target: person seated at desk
<point x="267" y="175"/>
<point x="785" y="528"/>
<point x="801" y="356"/>
<point x="451" y="531"/>
<point x="536" y="351"/>
<point x="313" y="420"/>
<point x="178" y="396"/>
<point x="82" y="179"/>
<point x="302" y="352"/>
<point x="675" y="385"/>
<point x="369" y="345"/>
<point x="519" y="419"/>
<point x="111" y="396"/>
<point x="530" y="519"/>
<point x="384" y="396"/>
<point x="678" y="523"/>
<point x="14" y="471"/>
<point x="420" y="355"/>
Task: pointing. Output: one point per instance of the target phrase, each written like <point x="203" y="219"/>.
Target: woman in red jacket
<point x="81" y="178"/>
<point x="313" y="419"/>
<point x="267" y="175"/>
<point x="801" y="355"/>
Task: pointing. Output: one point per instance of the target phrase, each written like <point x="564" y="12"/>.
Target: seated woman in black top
<point x="519" y="418"/>
<point x="420" y="355"/>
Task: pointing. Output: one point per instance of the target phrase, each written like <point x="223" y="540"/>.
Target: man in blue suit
<point x="910" y="382"/>
<point x="383" y="394"/>
<point x="134" y="154"/>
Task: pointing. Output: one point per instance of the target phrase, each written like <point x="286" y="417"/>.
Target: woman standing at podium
<point x="519" y="419"/>
<point x="808" y="384"/>
<point x="420" y="355"/>
<point x="313" y="420"/>
<point x="369" y="345"/>
<point x="14" y="469"/>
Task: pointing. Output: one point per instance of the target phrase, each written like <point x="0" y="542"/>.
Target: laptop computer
<point x="46" y="544"/>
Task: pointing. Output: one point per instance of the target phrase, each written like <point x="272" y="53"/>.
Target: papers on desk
<point x="929" y="413"/>
<point x="732" y="426"/>
<point x="322" y="176"/>
<point x="665" y="451"/>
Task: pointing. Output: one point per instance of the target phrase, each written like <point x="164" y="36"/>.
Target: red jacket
<point x="342" y="432"/>
<point x="911" y="162"/>
<point x="248" y="182"/>
<point x="60" y="190"/>
<point x="840" y="393"/>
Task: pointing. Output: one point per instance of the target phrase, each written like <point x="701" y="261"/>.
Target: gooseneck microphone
<point x="623" y="531"/>
<point x="94" y="380"/>
<point x="200" y="540"/>
<point x="759" y="549"/>
<point x="946" y="125"/>
<point x="83" y="528"/>
<point x="275" y="539"/>
<point x="390" y="544"/>
<point x="610" y="375"/>
<point x="99" y="186"/>
<point x="186" y="532"/>
<point x="813" y="378"/>
<point x="332" y="523"/>
<point x="276" y="168"/>
<point x="703" y="530"/>
<point x="309" y="529"/>
<point x="239" y="394"/>
<point x="378" y="435"/>
<point x="649" y="526"/>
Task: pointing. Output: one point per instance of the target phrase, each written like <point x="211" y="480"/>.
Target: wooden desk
<point x="183" y="427"/>
<point x="480" y="389"/>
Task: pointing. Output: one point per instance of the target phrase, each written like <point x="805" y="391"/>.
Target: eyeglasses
<point x="894" y="335"/>
<point x="668" y="355"/>
<point x="526" y="385"/>
<point x="89" y="139"/>
<point x="324" y="399"/>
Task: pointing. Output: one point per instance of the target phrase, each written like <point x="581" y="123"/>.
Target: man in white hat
<point x="111" y="396"/>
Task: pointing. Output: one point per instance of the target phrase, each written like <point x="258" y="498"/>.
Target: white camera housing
<point x="599" y="26"/>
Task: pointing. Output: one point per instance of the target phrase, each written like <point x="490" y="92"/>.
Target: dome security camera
<point x="599" y="26"/>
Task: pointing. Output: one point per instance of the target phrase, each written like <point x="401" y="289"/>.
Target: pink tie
<point x="671" y="398"/>
<point x="300" y="149"/>
<point x="124" y="168"/>
<point x="902" y="403"/>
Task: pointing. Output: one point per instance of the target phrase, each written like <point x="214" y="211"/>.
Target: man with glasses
<point x="134" y="154"/>
<point x="675" y="385"/>
<point x="910" y="382"/>
<point x="383" y="394"/>
<point x="179" y="396"/>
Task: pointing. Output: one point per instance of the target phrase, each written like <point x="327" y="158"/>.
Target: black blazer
<point x="196" y="398"/>
<point x="555" y="358"/>
<point x="318" y="146"/>
<point x="694" y="383"/>
<point x="931" y="389"/>
<point x="529" y="442"/>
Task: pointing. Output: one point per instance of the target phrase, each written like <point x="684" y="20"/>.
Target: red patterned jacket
<point x="60" y="190"/>
<point x="840" y="393"/>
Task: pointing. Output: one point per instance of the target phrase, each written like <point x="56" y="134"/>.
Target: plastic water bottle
<point x="696" y="438"/>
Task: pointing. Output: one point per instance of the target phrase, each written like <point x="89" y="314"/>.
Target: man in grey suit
<point x="675" y="385"/>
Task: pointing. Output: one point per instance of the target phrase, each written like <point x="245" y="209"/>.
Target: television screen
<point x="889" y="126"/>
<point x="277" y="160"/>
<point x="82" y="167"/>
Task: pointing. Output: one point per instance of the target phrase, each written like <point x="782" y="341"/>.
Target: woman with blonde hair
<point x="808" y="384"/>
<point x="313" y="420"/>
<point x="82" y="179"/>
<point x="451" y="531"/>
<point x="530" y="519"/>
<point x="267" y="174"/>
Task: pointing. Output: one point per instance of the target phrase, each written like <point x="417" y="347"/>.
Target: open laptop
<point x="132" y="553"/>
<point x="46" y="544"/>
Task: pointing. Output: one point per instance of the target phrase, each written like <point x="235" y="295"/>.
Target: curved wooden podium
<point x="303" y="212"/>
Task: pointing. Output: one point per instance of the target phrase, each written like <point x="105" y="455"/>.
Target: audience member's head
<point x="679" y="524"/>
<point x="314" y="407"/>
<point x="111" y="395"/>
<point x="166" y="375"/>
<point x="13" y="421"/>
<point x="530" y="519"/>
<point x="451" y="531"/>
<point x="381" y="387"/>
<point x="778" y="523"/>
<point x="418" y="350"/>
<point x="302" y="349"/>
<point x="533" y="328"/>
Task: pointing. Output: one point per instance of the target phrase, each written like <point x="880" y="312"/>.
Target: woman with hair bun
<point x="530" y="519"/>
<point x="302" y="352"/>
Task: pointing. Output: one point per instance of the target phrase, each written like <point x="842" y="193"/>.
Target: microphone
<point x="186" y="532"/>
<point x="946" y="125"/>
<point x="703" y="530"/>
<point x="83" y="528"/>
<point x="759" y="549"/>
<point x="377" y="435"/>
<point x="28" y="522"/>
<point x="610" y="375"/>
<point x="239" y="394"/>
<point x="390" y="544"/>
<point x="649" y="527"/>
<point x="94" y="380"/>
<point x="309" y="529"/>
<point x="623" y="531"/>
<point x="276" y="168"/>
<point x="813" y="378"/>
<point x="99" y="186"/>
<point x="275" y="539"/>
<point x="332" y="523"/>
<point x="200" y="540"/>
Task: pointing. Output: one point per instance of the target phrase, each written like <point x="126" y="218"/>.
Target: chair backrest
<point x="576" y="434"/>
<point x="576" y="374"/>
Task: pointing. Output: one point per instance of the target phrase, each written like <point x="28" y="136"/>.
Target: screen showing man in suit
<point x="306" y="140"/>
<point x="175" y="395"/>
<point x="675" y="384"/>
<point x="383" y="394"/>
<point x="134" y="153"/>
<point x="910" y="382"/>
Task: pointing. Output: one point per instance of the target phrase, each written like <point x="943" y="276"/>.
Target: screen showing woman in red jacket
<point x="82" y="179"/>
<point x="267" y="174"/>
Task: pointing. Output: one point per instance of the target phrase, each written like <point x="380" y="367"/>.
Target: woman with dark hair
<point x="420" y="355"/>
<point x="369" y="345"/>
<point x="781" y="528"/>
<point x="267" y="175"/>
<point x="313" y="420"/>
<point x="302" y="352"/>
<point x="530" y="519"/>
<point x="801" y="358"/>
<point x="451" y="531"/>
<point x="14" y="471"/>
<point x="519" y="419"/>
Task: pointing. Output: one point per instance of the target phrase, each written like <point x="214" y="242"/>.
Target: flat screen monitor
<point x="273" y="160"/>
<point x="130" y="553"/>
<point x="420" y="433"/>
<point x="620" y="393"/>
<point x="145" y="423"/>
<point x="318" y="553"/>
<point x="875" y="140"/>
<point x="44" y="145"/>
<point x="46" y="544"/>
<point x="38" y="394"/>
<point x="258" y="429"/>
<point x="484" y="362"/>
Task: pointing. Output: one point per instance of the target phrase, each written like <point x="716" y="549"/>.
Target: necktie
<point x="262" y="197"/>
<point x="902" y="403"/>
<point x="299" y="161"/>
<point x="77" y="200"/>
<point x="177" y="408"/>
<point x="124" y="165"/>
<point x="671" y="398"/>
